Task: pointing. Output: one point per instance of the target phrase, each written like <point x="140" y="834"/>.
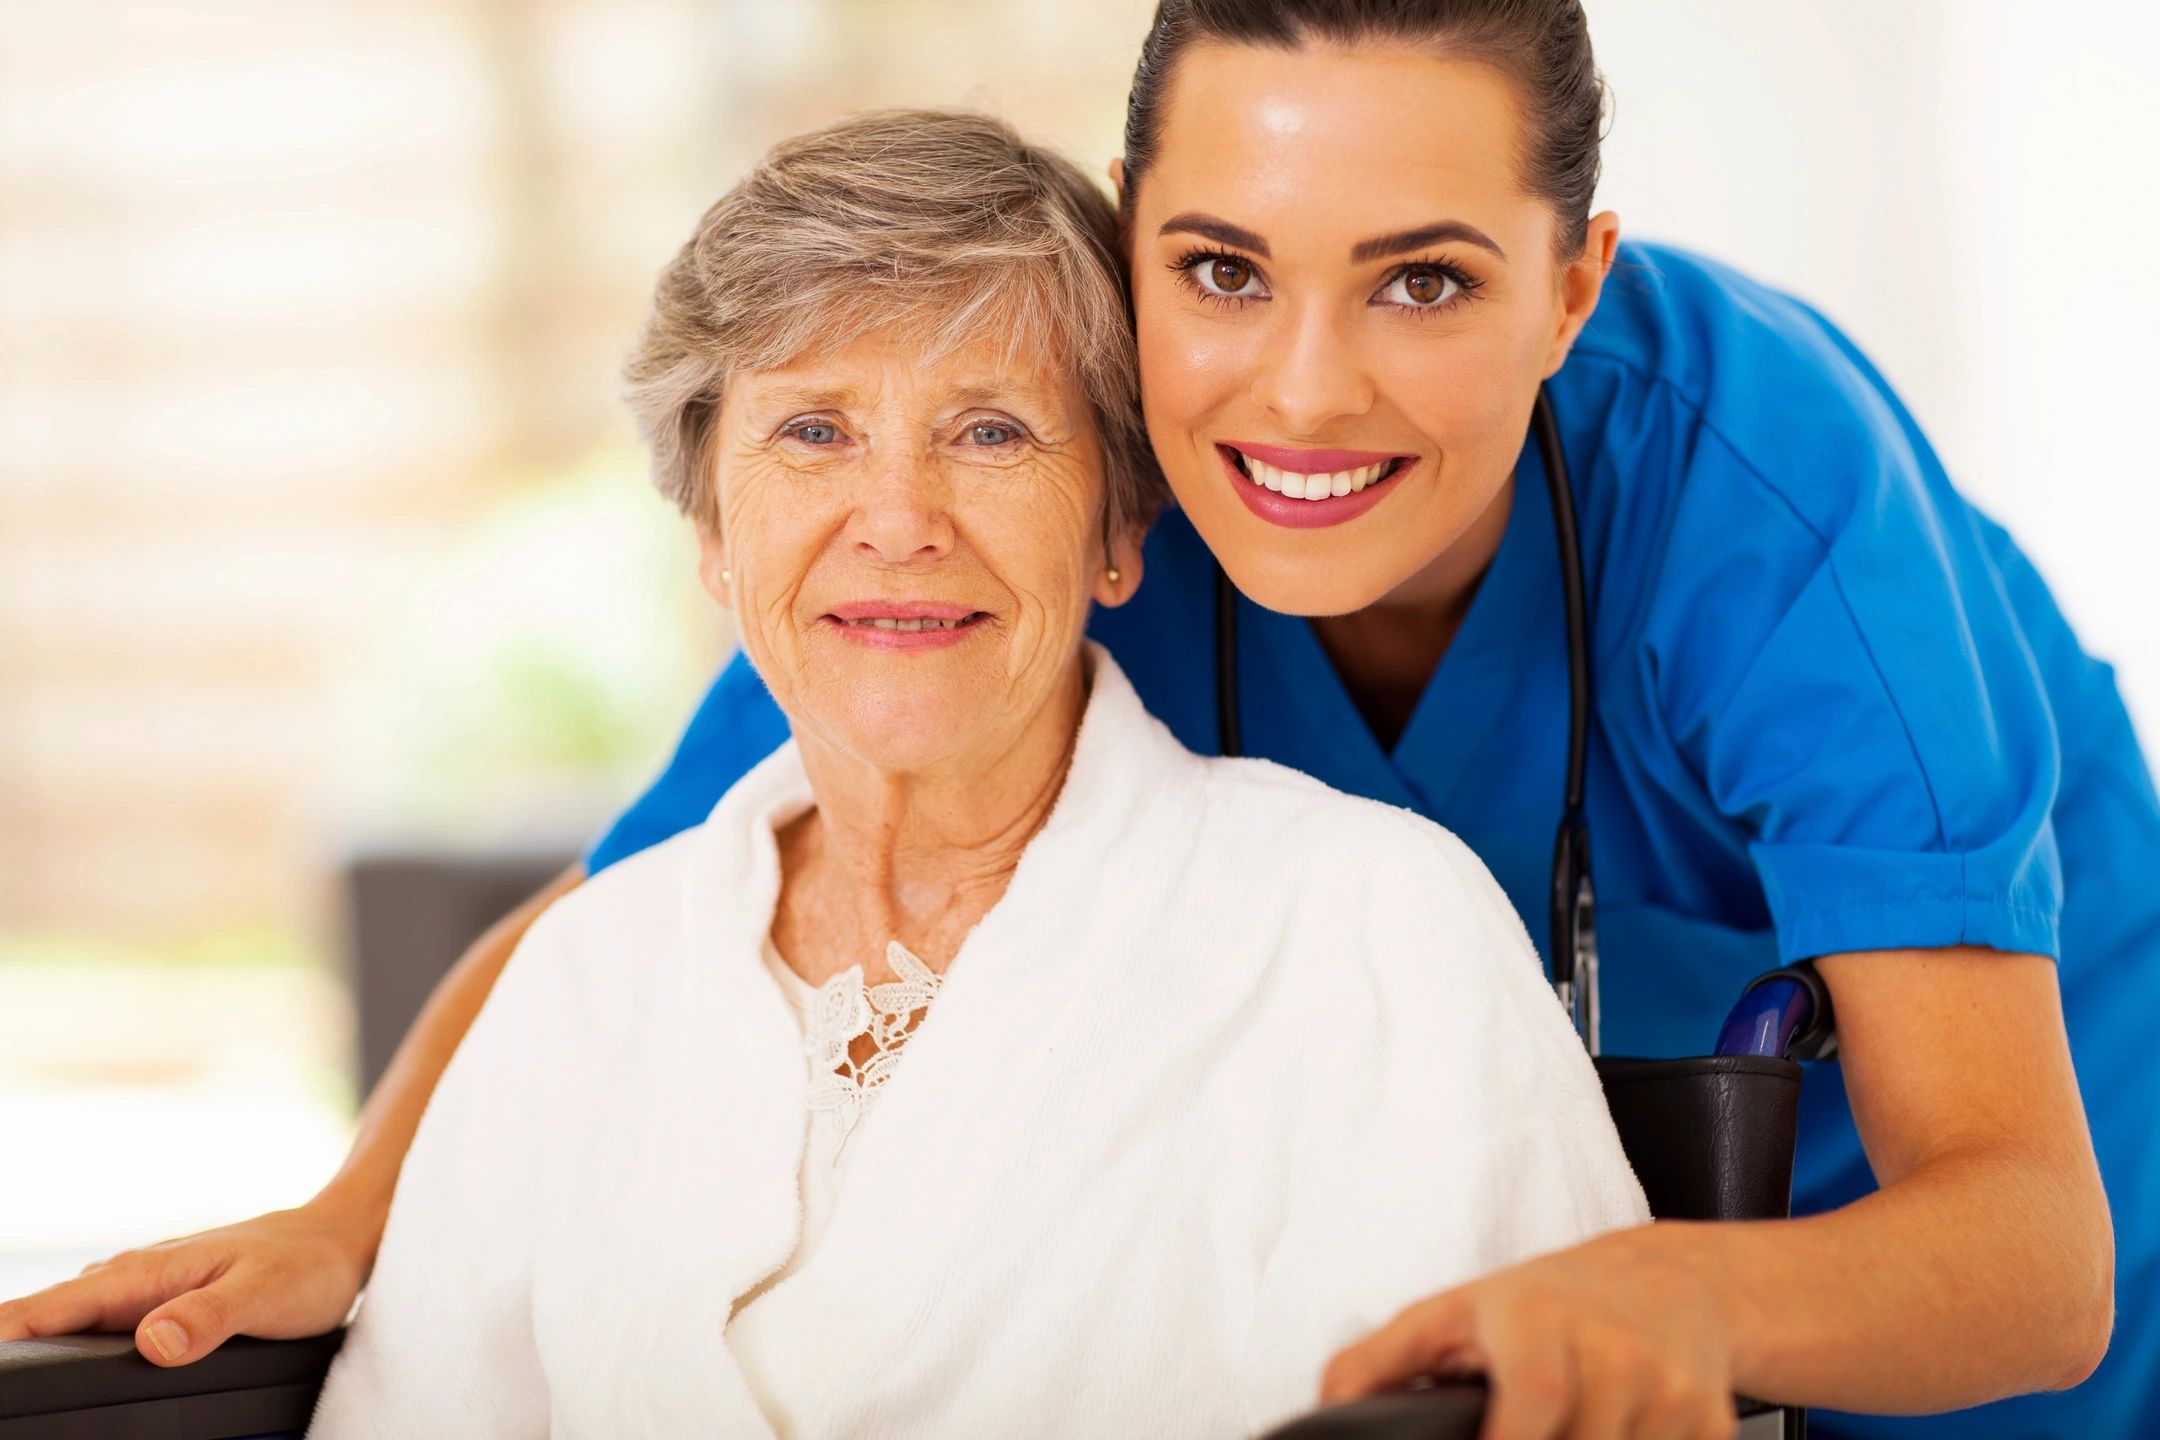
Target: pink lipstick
<point x="1310" y="489"/>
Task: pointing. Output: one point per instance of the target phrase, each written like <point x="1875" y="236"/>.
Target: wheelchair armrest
<point x="1456" y="1411"/>
<point x="71" y="1387"/>
<point x="1451" y="1411"/>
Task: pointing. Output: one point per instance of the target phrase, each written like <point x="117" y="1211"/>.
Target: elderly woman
<point x="986" y="1063"/>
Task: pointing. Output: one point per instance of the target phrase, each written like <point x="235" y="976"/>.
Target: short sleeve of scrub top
<point x="1828" y="648"/>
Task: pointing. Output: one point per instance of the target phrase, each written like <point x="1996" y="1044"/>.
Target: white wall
<point x="1971" y="188"/>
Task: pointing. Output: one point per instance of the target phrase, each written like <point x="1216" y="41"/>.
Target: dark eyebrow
<point x="1192" y="222"/>
<point x="1403" y="241"/>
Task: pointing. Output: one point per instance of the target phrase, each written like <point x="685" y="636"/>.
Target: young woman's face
<point x="1346" y="299"/>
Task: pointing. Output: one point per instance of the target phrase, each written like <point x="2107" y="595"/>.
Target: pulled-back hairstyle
<point x="945" y="224"/>
<point x="1542" y="46"/>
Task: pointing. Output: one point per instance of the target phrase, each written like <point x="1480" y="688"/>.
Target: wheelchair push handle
<point x="1783" y="1015"/>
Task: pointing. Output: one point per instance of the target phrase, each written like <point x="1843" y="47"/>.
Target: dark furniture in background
<point x="409" y="915"/>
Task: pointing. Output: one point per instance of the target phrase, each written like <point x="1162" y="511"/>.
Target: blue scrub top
<point x="1836" y="710"/>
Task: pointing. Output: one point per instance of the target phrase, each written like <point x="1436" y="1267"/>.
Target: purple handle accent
<point x="1767" y="1018"/>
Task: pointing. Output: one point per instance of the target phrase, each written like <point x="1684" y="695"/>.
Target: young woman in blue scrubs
<point x="1839" y="718"/>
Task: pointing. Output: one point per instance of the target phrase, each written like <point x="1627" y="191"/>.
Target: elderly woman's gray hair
<point x="943" y="222"/>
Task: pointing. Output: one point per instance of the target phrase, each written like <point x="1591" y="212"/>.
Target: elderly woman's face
<point x="912" y="545"/>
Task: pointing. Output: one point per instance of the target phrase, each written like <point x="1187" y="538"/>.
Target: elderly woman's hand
<point x="1619" y="1336"/>
<point x="281" y="1276"/>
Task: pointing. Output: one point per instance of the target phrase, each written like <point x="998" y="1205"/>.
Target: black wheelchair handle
<point x="1453" y="1410"/>
<point x="74" y="1387"/>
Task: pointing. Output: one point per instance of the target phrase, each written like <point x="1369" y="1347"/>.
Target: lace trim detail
<point x="844" y="1010"/>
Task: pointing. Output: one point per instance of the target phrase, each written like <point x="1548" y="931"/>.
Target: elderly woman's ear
<point x="713" y="566"/>
<point x="1119" y="579"/>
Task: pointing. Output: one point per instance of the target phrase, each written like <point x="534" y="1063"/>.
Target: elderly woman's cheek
<point x="774" y="618"/>
<point x="1049" y="536"/>
<point x="742" y="493"/>
<point x="771" y="540"/>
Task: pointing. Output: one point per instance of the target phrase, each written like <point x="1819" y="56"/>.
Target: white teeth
<point x="1299" y="486"/>
<point x="887" y="622"/>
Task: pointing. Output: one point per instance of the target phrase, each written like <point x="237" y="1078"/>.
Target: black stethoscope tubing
<point x="1573" y="901"/>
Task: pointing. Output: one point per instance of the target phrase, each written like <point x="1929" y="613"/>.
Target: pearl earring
<point x="1111" y="575"/>
<point x="727" y="576"/>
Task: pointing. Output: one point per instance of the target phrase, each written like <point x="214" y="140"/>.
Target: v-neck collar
<point x="1463" y="704"/>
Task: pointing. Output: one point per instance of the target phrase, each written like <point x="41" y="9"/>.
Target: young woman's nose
<point x="1311" y="375"/>
<point x="903" y="513"/>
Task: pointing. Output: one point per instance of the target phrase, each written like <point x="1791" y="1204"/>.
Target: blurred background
<point x="327" y="563"/>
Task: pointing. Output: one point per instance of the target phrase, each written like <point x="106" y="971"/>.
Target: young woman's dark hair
<point x="1543" y="46"/>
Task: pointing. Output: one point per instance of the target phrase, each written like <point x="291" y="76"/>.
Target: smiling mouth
<point x="909" y="626"/>
<point x="1326" y="485"/>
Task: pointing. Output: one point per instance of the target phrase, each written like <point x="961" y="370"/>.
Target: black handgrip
<point x="71" y="1386"/>
<point x="1454" y="1410"/>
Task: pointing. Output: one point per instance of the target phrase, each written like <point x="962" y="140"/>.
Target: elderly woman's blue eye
<point x="992" y="433"/>
<point x="816" y="433"/>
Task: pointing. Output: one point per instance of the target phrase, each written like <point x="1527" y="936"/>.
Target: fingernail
<point x="168" y="1339"/>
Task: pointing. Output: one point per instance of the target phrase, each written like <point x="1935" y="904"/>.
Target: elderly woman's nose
<point x="1311" y="374"/>
<point x="904" y="513"/>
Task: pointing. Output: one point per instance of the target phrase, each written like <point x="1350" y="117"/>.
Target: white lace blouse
<point x="832" y="1017"/>
<point x="1236" y="1068"/>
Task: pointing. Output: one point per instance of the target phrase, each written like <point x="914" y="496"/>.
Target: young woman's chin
<point x="1293" y="581"/>
<point x="1387" y="552"/>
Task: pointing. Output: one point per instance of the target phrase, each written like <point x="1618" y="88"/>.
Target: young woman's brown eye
<point x="1226" y="276"/>
<point x="1420" y="287"/>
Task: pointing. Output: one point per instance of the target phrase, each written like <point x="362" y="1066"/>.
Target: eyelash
<point x="797" y="426"/>
<point x="1467" y="285"/>
<point x="1019" y="431"/>
<point x="1182" y="268"/>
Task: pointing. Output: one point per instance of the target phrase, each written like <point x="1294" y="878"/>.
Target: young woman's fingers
<point x="1532" y="1370"/>
<point x="109" y="1299"/>
<point x="1612" y="1395"/>
<point x="1680" y="1406"/>
<point x="1419" y="1341"/>
<point x="1714" y="1420"/>
<point x="190" y="1326"/>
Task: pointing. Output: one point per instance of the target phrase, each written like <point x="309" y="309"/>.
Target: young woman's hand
<point x="1990" y="1224"/>
<point x="291" y="1273"/>
<point x="280" y="1276"/>
<point x="1620" y="1336"/>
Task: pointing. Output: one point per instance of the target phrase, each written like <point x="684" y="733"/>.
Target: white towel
<point x="1237" y="1067"/>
